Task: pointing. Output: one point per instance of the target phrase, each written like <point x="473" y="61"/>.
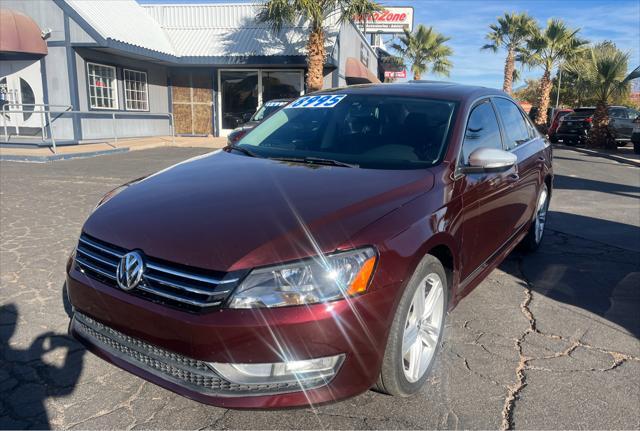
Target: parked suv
<point x="574" y="128"/>
<point x="319" y="255"/>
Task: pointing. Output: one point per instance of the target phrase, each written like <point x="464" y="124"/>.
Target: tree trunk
<point x="543" y="99"/>
<point x="417" y="76"/>
<point x="600" y="136"/>
<point x="509" y="66"/>
<point x="315" y="60"/>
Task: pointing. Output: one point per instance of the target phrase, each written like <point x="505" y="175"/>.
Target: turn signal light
<point x="361" y="280"/>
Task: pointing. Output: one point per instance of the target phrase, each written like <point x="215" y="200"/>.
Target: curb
<point x="55" y="157"/>
<point x="614" y="157"/>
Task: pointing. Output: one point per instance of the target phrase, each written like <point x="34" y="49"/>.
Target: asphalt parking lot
<point x="548" y="341"/>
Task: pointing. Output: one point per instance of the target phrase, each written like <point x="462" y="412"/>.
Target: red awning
<point x="358" y="73"/>
<point x="19" y="34"/>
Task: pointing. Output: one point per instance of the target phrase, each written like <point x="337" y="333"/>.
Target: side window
<point x="482" y="131"/>
<point x="515" y="128"/>
<point x="617" y="113"/>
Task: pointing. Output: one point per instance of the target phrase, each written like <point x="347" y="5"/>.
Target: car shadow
<point x="571" y="183"/>
<point x="49" y="367"/>
<point x="592" y="275"/>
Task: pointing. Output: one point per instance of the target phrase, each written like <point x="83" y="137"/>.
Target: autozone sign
<point x="387" y="20"/>
<point x="395" y="74"/>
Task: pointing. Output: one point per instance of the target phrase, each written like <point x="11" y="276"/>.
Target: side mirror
<point x="490" y="160"/>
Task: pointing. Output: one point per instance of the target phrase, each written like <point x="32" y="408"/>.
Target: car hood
<point x="225" y="211"/>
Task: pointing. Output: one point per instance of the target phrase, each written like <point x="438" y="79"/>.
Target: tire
<point x="397" y="376"/>
<point x="532" y="241"/>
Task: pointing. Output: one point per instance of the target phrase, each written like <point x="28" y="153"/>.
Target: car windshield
<point x="266" y="110"/>
<point x="370" y="131"/>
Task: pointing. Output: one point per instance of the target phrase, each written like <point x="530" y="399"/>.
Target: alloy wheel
<point x="422" y="327"/>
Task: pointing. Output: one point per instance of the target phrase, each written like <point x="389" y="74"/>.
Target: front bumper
<point x="171" y="347"/>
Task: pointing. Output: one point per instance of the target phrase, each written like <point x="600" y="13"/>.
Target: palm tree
<point x="512" y="32"/>
<point x="548" y="48"/>
<point x="425" y="49"/>
<point x="603" y="69"/>
<point x="281" y="12"/>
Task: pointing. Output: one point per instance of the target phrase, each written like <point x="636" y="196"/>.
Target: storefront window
<point x="135" y="90"/>
<point x="239" y="97"/>
<point x="103" y="92"/>
<point x="281" y="85"/>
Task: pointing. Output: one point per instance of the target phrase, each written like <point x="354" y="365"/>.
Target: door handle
<point x="541" y="159"/>
<point x="512" y="178"/>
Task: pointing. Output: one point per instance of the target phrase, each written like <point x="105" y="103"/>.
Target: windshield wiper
<point x="316" y="161"/>
<point x="242" y="150"/>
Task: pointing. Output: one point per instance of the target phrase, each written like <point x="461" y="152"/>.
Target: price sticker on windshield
<point x="279" y="103"/>
<point x="326" y="101"/>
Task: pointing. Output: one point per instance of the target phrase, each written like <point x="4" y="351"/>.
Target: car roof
<point x="427" y="89"/>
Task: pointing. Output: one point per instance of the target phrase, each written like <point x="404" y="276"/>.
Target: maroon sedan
<point x="318" y="257"/>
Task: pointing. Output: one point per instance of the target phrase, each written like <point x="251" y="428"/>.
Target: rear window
<point x="371" y="131"/>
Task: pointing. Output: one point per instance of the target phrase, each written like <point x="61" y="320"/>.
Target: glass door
<point x="20" y="89"/>
<point x="242" y="91"/>
<point x="239" y="97"/>
<point x="281" y="84"/>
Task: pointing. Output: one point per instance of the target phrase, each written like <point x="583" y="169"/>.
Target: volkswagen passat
<point x="317" y="257"/>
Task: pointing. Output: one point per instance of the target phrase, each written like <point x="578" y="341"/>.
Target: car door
<point x="488" y="219"/>
<point x="521" y="139"/>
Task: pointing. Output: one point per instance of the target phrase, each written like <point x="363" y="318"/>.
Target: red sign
<point x="398" y="74"/>
<point x="388" y="20"/>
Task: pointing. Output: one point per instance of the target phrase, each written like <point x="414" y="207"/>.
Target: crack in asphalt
<point x="513" y="390"/>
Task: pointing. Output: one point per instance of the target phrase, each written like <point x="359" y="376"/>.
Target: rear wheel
<point x="416" y="332"/>
<point x="534" y="237"/>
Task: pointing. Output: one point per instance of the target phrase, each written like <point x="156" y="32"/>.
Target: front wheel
<point x="534" y="237"/>
<point x="416" y="332"/>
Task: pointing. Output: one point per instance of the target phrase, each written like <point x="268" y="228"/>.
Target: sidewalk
<point x="46" y="154"/>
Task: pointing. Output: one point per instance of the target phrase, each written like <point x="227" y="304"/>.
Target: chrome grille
<point x="186" y="372"/>
<point x="173" y="285"/>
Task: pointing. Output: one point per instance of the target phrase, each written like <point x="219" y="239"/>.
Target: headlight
<point x="310" y="281"/>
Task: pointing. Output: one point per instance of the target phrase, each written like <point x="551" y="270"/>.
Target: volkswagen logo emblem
<point x="130" y="270"/>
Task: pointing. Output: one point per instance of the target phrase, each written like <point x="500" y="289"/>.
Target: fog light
<point x="308" y="372"/>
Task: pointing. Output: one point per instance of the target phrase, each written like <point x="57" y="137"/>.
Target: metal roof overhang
<point x="293" y="61"/>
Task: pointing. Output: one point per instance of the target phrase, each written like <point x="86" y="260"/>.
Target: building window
<point x="103" y="87"/>
<point x="136" y="95"/>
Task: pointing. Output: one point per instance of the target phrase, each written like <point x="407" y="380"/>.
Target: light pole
<point x="559" y="84"/>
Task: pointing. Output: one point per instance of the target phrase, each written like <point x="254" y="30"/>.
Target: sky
<point x="467" y="21"/>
